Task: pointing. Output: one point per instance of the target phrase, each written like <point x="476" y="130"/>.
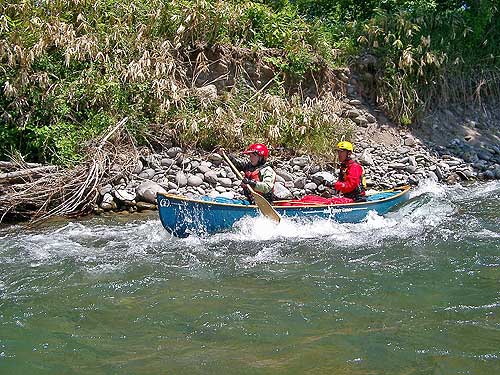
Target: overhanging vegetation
<point x="70" y="70"/>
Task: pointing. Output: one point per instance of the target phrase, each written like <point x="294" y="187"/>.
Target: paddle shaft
<point x="261" y="202"/>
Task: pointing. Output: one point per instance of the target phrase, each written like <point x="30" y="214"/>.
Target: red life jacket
<point x="350" y="168"/>
<point x="255" y="176"/>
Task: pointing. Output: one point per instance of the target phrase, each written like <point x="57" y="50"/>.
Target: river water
<point x="415" y="292"/>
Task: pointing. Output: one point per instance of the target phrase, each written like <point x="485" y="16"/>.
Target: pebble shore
<point x="406" y="160"/>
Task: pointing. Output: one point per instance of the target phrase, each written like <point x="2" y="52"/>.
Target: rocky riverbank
<point x="390" y="155"/>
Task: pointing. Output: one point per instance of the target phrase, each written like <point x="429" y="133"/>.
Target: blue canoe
<point x="182" y="216"/>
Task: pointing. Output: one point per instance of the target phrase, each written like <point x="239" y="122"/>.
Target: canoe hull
<point x="182" y="216"/>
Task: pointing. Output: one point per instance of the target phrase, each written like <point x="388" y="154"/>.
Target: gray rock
<point x="147" y="173"/>
<point x="280" y="179"/>
<point x="105" y="189"/>
<point x="167" y="162"/>
<point x="300" y="182"/>
<point x="174" y="151"/>
<point x="453" y="178"/>
<point x="124" y="195"/>
<point x="203" y="169"/>
<point x="281" y="192"/>
<point x="171" y="185"/>
<point x="215" y="158"/>
<point x="142" y="206"/>
<point x="314" y="169"/>
<point x="371" y="119"/>
<point x="284" y="174"/>
<point x="397" y="166"/>
<point x="138" y="167"/>
<point x="147" y="191"/>
<point x="195" y="163"/>
<point x="208" y="92"/>
<point x="211" y="177"/>
<point x="410" y="141"/>
<point x="413" y="180"/>
<point x="366" y="158"/>
<point x="108" y="202"/>
<point x="484" y="155"/>
<point x="352" y="113"/>
<point x="403" y="150"/>
<point x="179" y="159"/>
<point x="311" y="186"/>
<point x="181" y="179"/>
<point x="489" y="174"/>
<point x="213" y="194"/>
<point x="194" y="181"/>
<point x="322" y="176"/>
<point x="439" y="173"/>
<point x="497" y="173"/>
<point x="226" y="182"/>
<point x="299" y="161"/>
<point x="153" y="161"/>
<point x="185" y="163"/>
<point x="361" y="121"/>
<point x="200" y="190"/>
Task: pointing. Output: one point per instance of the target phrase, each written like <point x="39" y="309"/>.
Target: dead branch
<point x="9" y="165"/>
<point x="69" y="192"/>
<point x="25" y="174"/>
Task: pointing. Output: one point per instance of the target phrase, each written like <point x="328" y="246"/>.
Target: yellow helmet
<point x="344" y="145"/>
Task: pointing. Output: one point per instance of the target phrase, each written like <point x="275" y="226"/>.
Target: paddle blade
<point x="265" y="207"/>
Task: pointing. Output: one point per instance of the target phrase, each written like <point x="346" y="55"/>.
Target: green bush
<point x="70" y="70"/>
<point x="96" y="63"/>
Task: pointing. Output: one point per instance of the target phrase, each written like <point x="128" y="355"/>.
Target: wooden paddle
<point x="261" y="202"/>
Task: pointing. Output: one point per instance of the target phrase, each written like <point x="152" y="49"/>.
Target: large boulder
<point x="147" y="191"/>
<point x="194" y="180"/>
<point x="125" y="196"/>
<point x="211" y="177"/>
<point x="319" y="177"/>
<point x="181" y="179"/>
<point x="281" y="192"/>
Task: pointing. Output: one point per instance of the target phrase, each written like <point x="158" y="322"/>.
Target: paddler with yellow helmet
<point x="351" y="181"/>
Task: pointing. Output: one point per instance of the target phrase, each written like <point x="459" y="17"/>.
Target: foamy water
<point x="431" y="206"/>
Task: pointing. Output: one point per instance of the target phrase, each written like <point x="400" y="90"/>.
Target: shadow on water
<point x="414" y="292"/>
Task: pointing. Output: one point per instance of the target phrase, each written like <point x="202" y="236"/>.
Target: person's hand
<point x="221" y="151"/>
<point x="249" y="182"/>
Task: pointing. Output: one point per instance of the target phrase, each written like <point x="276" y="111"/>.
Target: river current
<point x="414" y="292"/>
